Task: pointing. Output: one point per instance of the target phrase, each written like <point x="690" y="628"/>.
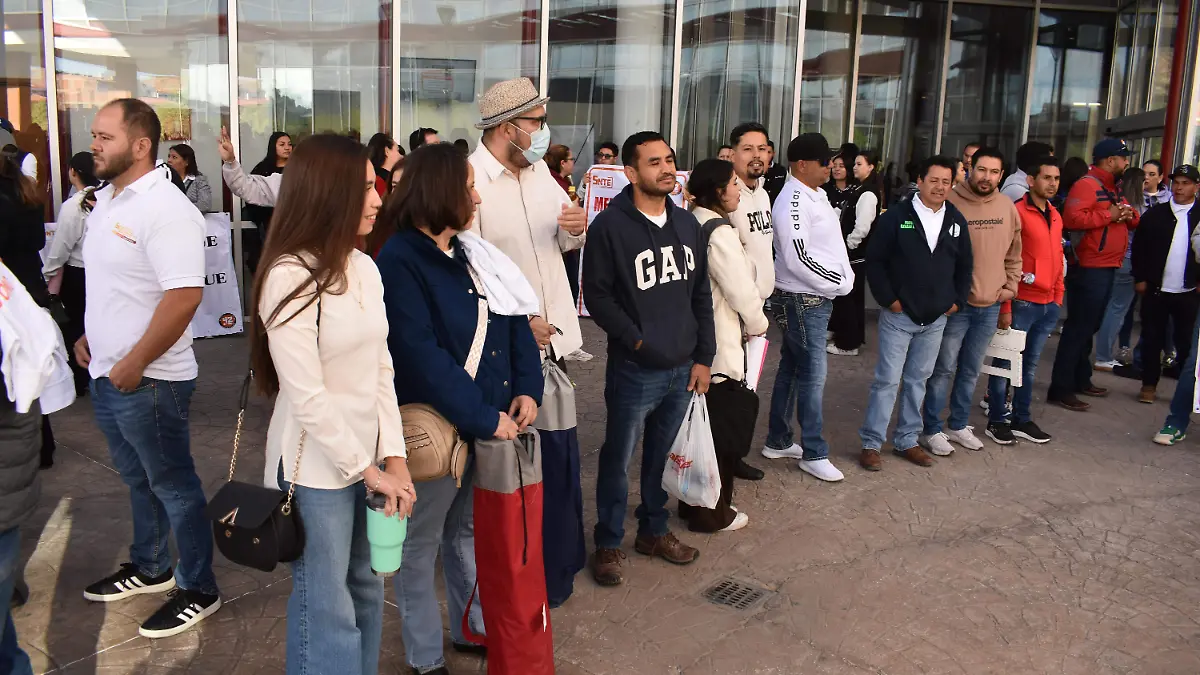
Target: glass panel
<point x="737" y="65"/>
<point x="1139" y="71"/>
<point x="171" y="55"/>
<point x="1191" y="149"/>
<point x="24" y="71"/>
<point x="452" y="52"/>
<point x="898" y="77"/>
<point x="1126" y="21"/>
<point x="828" y="30"/>
<point x="311" y="66"/>
<point x="610" y="72"/>
<point x="985" y="88"/>
<point x="1161" y="84"/>
<point x="1070" y="82"/>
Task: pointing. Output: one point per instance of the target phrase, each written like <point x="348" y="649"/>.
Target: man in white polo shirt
<point x="145" y="277"/>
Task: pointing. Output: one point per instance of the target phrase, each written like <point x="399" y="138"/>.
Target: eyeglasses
<point x="605" y="155"/>
<point x="540" y="120"/>
<point x="570" y="159"/>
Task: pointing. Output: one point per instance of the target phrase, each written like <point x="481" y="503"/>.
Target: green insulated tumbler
<point x="386" y="536"/>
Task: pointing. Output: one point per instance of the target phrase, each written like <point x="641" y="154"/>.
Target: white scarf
<point x="508" y="291"/>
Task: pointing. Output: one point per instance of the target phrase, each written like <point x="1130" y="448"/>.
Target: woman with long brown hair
<point x="319" y="343"/>
<point x="434" y="273"/>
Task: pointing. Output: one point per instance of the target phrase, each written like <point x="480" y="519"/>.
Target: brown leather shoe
<point x="1070" y="402"/>
<point x="1147" y="394"/>
<point x="606" y="566"/>
<point x="666" y="547"/>
<point x="870" y="459"/>
<point x="915" y="455"/>
<point x="1095" y="392"/>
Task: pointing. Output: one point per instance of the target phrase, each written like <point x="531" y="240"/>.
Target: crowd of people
<point x="437" y="278"/>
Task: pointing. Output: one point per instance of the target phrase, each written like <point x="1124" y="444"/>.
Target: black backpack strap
<point x="711" y="226"/>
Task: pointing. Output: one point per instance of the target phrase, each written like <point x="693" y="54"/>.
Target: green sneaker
<point x="1169" y="435"/>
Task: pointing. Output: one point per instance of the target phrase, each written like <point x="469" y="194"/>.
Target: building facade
<point x="904" y="77"/>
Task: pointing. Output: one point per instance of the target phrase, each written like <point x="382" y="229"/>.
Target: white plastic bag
<point x="691" y="474"/>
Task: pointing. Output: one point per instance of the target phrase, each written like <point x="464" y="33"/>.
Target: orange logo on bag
<point x="227" y="320"/>
<point x="6" y="290"/>
<point x="124" y="233"/>
<point x="679" y="461"/>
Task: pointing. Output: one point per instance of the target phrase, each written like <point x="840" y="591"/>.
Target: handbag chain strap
<point x="237" y="439"/>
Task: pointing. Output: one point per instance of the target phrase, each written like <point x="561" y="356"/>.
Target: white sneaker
<point x="985" y="406"/>
<point x="1105" y="366"/>
<point x="794" y="452"/>
<point x="579" y="355"/>
<point x="938" y="444"/>
<point x="965" y="437"/>
<point x="822" y="469"/>
<point x="831" y="349"/>
<point x="739" y="521"/>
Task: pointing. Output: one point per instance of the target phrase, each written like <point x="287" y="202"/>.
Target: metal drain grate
<point x="735" y="594"/>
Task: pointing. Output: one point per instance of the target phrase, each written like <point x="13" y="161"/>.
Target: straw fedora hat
<point x="505" y="100"/>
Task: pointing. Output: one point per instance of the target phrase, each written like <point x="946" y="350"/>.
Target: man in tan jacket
<point x="995" y="229"/>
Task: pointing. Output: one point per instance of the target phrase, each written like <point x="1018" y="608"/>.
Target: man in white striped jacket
<point x="811" y="268"/>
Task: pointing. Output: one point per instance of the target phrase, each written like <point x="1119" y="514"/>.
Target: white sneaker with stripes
<point x="128" y="582"/>
<point x="183" y="610"/>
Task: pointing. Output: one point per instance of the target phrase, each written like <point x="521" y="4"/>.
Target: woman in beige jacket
<point x="738" y="314"/>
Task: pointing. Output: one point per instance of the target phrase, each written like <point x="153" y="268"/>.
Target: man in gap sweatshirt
<point x="645" y="281"/>
<point x="919" y="269"/>
<point x="753" y="216"/>
<point x="995" y="229"/>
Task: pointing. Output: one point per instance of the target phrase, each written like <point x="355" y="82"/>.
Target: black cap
<point x="810" y="147"/>
<point x="1186" y="171"/>
<point x="1110" y="147"/>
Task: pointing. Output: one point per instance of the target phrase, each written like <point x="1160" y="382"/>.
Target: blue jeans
<point x="1115" y="313"/>
<point x="800" y="380"/>
<point x="147" y="433"/>
<point x="1088" y="290"/>
<point x="909" y="351"/>
<point x="637" y="398"/>
<point x="445" y="520"/>
<point x="335" y="611"/>
<point x="1037" y="321"/>
<point x="1185" y="389"/>
<point x="968" y="333"/>
<point x="13" y="660"/>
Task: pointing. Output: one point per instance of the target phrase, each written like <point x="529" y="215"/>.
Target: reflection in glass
<point x="171" y="55"/>
<point x="898" y="65"/>
<point x="737" y="65"/>
<point x="825" y="89"/>
<point x="1126" y="25"/>
<point x="1161" y="84"/>
<point x="452" y="52"/>
<point x="610" y="71"/>
<point x="985" y="86"/>
<point x="1139" y="70"/>
<point x="311" y="66"/>
<point x="1070" y="80"/>
<point x="24" y="72"/>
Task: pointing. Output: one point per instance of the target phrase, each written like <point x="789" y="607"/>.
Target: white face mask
<point x="539" y="143"/>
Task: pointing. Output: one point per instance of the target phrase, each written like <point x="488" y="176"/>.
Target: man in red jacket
<point x="1098" y="221"/>
<point x="1036" y="308"/>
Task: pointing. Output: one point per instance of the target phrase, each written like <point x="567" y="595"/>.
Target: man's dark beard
<point x="653" y="190"/>
<point x="116" y="166"/>
<point x="755" y="174"/>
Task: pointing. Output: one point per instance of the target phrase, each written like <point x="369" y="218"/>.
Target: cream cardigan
<point x="737" y="307"/>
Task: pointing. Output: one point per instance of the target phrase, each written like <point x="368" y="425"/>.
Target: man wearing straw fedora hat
<point x="528" y="216"/>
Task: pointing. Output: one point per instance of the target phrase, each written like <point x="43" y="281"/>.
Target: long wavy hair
<point x="316" y="222"/>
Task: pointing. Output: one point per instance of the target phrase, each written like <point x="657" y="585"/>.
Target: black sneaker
<point x="1030" y="432"/>
<point x="183" y="610"/>
<point x="127" y="583"/>
<point x="1000" y="432"/>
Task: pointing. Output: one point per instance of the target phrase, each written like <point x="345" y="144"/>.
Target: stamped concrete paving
<point x="1076" y="557"/>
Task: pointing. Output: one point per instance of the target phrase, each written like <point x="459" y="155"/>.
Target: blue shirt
<point x="432" y="311"/>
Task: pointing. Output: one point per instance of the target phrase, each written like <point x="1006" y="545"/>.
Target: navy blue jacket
<point x="901" y="267"/>
<point x="650" y="284"/>
<point x="432" y="311"/>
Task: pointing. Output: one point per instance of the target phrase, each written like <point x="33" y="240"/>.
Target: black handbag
<point x="253" y="525"/>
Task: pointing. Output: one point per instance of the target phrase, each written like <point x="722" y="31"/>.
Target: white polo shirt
<point x="140" y="244"/>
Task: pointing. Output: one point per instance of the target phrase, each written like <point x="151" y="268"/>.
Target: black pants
<point x="849" y="321"/>
<point x="1158" y="309"/>
<point x="571" y="260"/>
<point x="73" y="294"/>
<point x="1088" y="290"/>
